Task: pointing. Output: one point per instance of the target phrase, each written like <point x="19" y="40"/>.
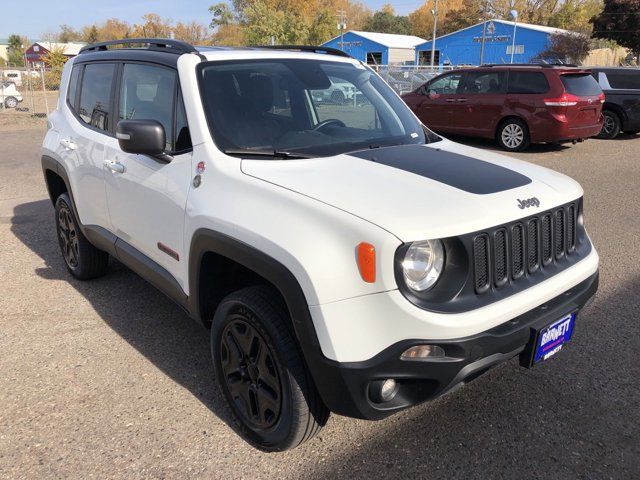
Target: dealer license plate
<point x="551" y="339"/>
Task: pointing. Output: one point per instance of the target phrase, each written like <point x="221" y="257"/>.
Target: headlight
<point x="422" y="264"/>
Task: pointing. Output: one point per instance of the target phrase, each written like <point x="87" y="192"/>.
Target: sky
<point x="47" y="15"/>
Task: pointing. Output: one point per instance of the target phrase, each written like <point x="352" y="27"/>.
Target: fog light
<point x="388" y="389"/>
<point x="420" y="352"/>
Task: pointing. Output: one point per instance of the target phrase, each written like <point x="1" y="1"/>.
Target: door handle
<point x="114" y="166"/>
<point x="451" y="100"/>
<point x="462" y="100"/>
<point x="68" y="144"/>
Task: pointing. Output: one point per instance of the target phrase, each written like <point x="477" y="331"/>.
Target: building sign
<point x="349" y="44"/>
<point x="489" y="36"/>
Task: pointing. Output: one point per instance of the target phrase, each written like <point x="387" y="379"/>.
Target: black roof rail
<point x="157" y="44"/>
<point x="541" y="65"/>
<point x="308" y="48"/>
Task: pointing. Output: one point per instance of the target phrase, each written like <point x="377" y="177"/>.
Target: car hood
<point x="419" y="192"/>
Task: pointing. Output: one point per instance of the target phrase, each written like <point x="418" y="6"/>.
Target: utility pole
<point x="514" y="15"/>
<point x="484" y="31"/>
<point x="342" y="25"/>
<point x="435" y="28"/>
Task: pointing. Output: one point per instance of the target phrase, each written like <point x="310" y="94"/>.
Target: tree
<point x="68" y="34"/>
<point x="322" y="28"/>
<point x="619" y="21"/>
<point x="90" y="34"/>
<point x="574" y="15"/>
<point x="386" y="21"/>
<point x="221" y="15"/>
<point x="193" y="32"/>
<point x="154" y="26"/>
<point x="567" y="47"/>
<point x="15" y="50"/>
<point x="114" y="29"/>
<point x="55" y="60"/>
<point x="470" y="13"/>
<point x="284" y="27"/>
<point x="421" y="20"/>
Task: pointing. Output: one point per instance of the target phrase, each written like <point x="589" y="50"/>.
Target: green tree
<point x="574" y="15"/>
<point x="567" y="47"/>
<point x="221" y="15"/>
<point x="386" y="21"/>
<point x="284" y="27"/>
<point x="620" y="22"/>
<point x="322" y="28"/>
<point x="55" y="60"/>
<point x="68" y="34"/>
<point x="15" y="50"/>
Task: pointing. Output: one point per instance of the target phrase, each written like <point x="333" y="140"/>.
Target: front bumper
<point x="344" y="386"/>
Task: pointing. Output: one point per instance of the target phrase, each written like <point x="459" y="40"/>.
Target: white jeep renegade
<point x="345" y="258"/>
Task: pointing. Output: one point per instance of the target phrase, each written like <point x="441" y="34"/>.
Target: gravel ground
<point x="110" y="379"/>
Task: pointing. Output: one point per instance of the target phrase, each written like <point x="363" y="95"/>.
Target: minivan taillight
<point x="566" y="100"/>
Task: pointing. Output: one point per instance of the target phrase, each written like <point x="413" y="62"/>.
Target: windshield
<point x="306" y="107"/>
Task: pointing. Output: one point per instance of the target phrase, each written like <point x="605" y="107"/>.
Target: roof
<point x="70" y="48"/>
<point x="530" y="26"/>
<point x="389" y="40"/>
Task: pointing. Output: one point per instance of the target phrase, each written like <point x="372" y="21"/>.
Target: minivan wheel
<point x="83" y="260"/>
<point x="610" y="125"/>
<point x="513" y="135"/>
<point x="261" y="372"/>
<point x="11" y="102"/>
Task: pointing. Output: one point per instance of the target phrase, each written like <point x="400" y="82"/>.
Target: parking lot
<point x="110" y="379"/>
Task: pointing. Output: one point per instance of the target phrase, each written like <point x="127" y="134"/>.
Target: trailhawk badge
<point x="529" y="202"/>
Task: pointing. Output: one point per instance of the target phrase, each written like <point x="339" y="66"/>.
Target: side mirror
<point x="144" y="137"/>
<point x="432" y="94"/>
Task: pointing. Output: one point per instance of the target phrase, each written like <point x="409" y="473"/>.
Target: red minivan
<point x="514" y="104"/>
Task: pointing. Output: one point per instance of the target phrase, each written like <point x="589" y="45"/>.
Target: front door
<point x="147" y="196"/>
<point x="438" y="107"/>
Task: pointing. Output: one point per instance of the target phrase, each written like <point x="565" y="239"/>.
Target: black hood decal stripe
<point x="458" y="171"/>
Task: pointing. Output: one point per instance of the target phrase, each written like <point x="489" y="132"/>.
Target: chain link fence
<point x="27" y="92"/>
<point x="406" y="78"/>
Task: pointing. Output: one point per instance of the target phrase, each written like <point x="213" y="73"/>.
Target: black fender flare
<point x="206" y="240"/>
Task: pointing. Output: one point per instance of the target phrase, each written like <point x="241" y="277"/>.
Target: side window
<point x="147" y="92"/>
<point x="95" y="95"/>
<point x="73" y="85"/>
<point x="528" y="82"/>
<point x="183" y="137"/>
<point x="624" y="80"/>
<point x="344" y="102"/>
<point x="485" y="82"/>
<point x="446" y="85"/>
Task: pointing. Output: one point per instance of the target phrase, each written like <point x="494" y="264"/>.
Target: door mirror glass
<point x="144" y="137"/>
<point x="432" y="94"/>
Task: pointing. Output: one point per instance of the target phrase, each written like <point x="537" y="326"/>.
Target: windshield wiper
<point x="273" y="153"/>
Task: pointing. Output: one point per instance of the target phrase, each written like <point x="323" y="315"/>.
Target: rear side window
<point x="528" y="82"/>
<point x="485" y="82"/>
<point x="148" y="92"/>
<point x="95" y="95"/>
<point x="580" y="84"/>
<point x="73" y="86"/>
<point x="624" y="80"/>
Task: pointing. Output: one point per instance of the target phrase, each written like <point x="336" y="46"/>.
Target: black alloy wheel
<point x="250" y="373"/>
<point x="68" y="237"/>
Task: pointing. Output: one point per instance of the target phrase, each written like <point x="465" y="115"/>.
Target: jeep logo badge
<point x="529" y="202"/>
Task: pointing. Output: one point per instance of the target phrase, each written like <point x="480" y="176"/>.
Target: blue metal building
<point x="463" y="47"/>
<point x="377" y="48"/>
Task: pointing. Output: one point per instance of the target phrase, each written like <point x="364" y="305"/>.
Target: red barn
<point x="35" y="53"/>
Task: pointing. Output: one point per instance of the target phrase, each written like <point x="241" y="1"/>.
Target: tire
<point x="513" y="135"/>
<point x="610" y="126"/>
<point x="11" y="102"/>
<point x="83" y="260"/>
<point x="337" y="97"/>
<point x="261" y="372"/>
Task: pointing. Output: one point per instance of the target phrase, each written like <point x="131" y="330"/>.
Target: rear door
<point x="438" y="107"/>
<point x="584" y="90"/>
<point x="481" y="102"/>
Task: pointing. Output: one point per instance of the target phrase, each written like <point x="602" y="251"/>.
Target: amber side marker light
<point x="367" y="262"/>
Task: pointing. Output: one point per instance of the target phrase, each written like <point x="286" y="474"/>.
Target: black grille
<point x="506" y="254"/>
<point x="533" y="248"/>
<point x="517" y="251"/>
<point x="500" y="263"/>
<point x="547" y="240"/>
<point x="559" y="233"/>
<point x="481" y="262"/>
